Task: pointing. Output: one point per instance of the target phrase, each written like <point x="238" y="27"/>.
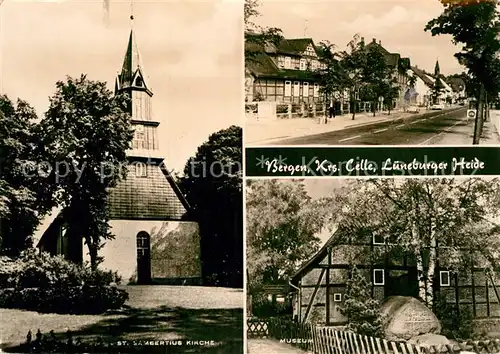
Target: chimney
<point x="362" y="39"/>
<point x="380" y="43"/>
<point x="374" y="40"/>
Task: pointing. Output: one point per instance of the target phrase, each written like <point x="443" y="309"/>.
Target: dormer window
<point x="288" y="62"/>
<point x="138" y="81"/>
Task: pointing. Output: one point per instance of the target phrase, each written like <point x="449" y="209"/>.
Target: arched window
<point x="143" y="258"/>
<point x="142" y="244"/>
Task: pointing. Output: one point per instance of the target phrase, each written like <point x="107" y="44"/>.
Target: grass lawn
<point x="152" y="313"/>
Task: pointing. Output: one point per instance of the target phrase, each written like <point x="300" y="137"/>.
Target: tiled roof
<point x="392" y="59"/>
<point x="425" y="77"/>
<point x="262" y="65"/>
<point x="153" y="197"/>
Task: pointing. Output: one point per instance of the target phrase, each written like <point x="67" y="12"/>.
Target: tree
<point x="474" y="24"/>
<point x="257" y="37"/>
<point x="282" y="223"/>
<point x="212" y="183"/>
<point x="418" y="216"/>
<point x="390" y="91"/>
<point x="21" y="204"/>
<point x="377" y="77"/>
<point x="362" y="311"/>
<point x="437" y="90"/>
<point x="84" y="136"/>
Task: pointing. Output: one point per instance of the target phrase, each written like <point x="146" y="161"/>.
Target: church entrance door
<point x="143" y="258"/>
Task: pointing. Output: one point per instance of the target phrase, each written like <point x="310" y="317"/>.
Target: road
<point x="416" y="130"/>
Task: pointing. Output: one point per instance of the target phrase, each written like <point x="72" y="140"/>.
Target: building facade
<point x="321" y="281"/>
<point x="284" y="72"/>
<point x="156" y="239"/>
<point x="425" y="83"/>
<point x="400" y="69"/>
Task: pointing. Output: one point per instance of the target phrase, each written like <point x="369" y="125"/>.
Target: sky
<point x="191" y="52"/>
<point x="398" y="24"/>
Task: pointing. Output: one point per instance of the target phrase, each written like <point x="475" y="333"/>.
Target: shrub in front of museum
<point x="51" y="284"/>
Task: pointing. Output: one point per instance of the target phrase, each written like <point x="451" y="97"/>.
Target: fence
<point x="329" y="340"/>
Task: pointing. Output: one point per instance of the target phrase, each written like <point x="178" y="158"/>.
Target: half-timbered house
<point x="284" y="72"/>
<point x="320" y="283"/>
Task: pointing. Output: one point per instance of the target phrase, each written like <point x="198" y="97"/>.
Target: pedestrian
<point x="331" y="111"/>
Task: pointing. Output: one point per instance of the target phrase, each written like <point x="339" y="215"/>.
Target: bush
<point x="362" y="311"/>
<point x="46" y="283"/>
<point x="33" y="270"/>
<point x="263" y="307"/>
<point x="69" y="300"/>
<point x="455" y="324"/>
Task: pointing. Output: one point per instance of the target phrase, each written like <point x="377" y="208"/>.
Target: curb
<point x="399" y="119"/>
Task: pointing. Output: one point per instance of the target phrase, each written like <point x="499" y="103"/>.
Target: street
<point x="442" y="127"/>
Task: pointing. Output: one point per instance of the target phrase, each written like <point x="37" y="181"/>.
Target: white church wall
<point x="175" y="249"/>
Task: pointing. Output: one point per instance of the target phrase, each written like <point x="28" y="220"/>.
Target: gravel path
<point x="270" y="346"/>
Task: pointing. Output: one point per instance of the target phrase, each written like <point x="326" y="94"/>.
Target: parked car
<point x="413" y="109"/>
<point x="437" y="106"/>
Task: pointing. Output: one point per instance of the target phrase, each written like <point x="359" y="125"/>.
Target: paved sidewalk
<point x="265" y="131"/>
<point x="270" y="346"/>
<point x="463" y="134"/>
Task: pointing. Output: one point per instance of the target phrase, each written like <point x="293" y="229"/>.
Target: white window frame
<point x="305" y="89"/>
<point x="441" y="273"/>
<point x="316" y="90"/>
<point x="296" y="89"/>
<point x="383" y="276"/>
<point x="141" y="169"/>
<point x="303" y="64"/>
<point x="288" y="62"/>
<point x="281" y="62"/>
<point x="288" y="84"/>
<point x="337" y="297"/>
<point x="375" y="242"/>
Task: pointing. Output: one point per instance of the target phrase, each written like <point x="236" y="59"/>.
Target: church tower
<point x="156" y="239"/>
<point x="132" y="81"/>
<point x="148" y="191"/>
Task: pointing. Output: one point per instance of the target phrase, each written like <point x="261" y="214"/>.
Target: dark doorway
<point x="402" y="283"/>
<point x="143" y="258"/>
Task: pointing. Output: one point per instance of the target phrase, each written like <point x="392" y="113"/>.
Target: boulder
<point x="405" y="317"/>
<point x="429" y="339"/>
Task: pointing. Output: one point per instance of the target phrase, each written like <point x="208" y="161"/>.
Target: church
<point x="156" y="240"/>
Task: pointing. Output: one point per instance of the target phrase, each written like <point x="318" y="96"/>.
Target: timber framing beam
<point x="313" y="296"/>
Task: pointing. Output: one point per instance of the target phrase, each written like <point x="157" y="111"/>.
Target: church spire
<point x="437" y="71"/>
<point x="132" y="82"/>
<point x="132" y="72"/>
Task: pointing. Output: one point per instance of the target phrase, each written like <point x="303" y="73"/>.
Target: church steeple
<point x="437" y="71"/>
<point x="132" y="82"/>
<point x="132" y="69"/>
